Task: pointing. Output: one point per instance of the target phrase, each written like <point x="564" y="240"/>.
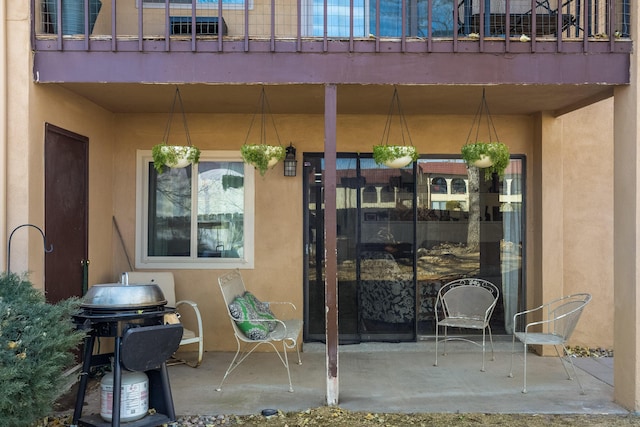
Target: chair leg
<point x="286" y="364"/>
<point x="493" y="354"/>
<point x="236" y="361"/>
<point x="436" y="362"/>
<point x="561" y="357"/>
<point x="573" y="368"/>
<point x="524" y="386"/>
<point x="483" y="338"/>
<point x="230" y="368"/>
<point x="444" y="341"/>
<point x="513" y="349"/>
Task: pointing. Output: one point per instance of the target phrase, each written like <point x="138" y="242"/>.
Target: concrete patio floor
<point x="398" y="378"/>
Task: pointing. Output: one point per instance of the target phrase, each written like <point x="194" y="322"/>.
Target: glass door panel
<point x="401" y="234"/>
<point x="385" y="255"/>
<point x="376" y="297"/>
<point x="468" y="227"/>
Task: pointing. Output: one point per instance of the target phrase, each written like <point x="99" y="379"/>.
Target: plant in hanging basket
<point x="394" y="156"/>
<point x="490" y="156"/>
<point x="174" y="156"/>
<point x="262" y="156"/>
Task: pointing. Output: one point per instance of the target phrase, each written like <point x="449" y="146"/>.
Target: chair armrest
<point x="524" y="313"/>
<point x="282" y="303"/>
<point x="196" y="311"/>
<point x="187" y="302"/>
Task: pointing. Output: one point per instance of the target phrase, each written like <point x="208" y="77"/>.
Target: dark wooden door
<point x="66" y="212"/>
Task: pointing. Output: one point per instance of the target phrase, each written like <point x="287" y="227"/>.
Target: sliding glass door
<point x="402" y="233"/>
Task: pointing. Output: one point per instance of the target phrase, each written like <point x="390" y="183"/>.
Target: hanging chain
<point x="483" y="108"/>
<point x="176" y="97"/>
<point x="263" y="109"/>
<point x="404" y="128"/>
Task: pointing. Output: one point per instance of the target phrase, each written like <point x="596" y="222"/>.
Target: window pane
<point x="169" y="222"/>
<point x="338" y="22"/>
<point x="221" y="209"/>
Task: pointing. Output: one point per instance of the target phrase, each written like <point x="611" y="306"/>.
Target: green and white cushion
<point x="261" y="309"/>
<point x="245" y="317"/>
<point x="253" y="317"/>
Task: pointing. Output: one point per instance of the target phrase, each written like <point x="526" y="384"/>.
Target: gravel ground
<point x="335" y="416"/>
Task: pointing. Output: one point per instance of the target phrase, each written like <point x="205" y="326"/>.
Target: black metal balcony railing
<point x="343" y="25"/>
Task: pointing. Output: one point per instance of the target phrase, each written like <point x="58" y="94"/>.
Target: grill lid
<point x="116" y="296"/>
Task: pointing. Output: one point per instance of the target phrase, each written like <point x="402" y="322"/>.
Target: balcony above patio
<point x="312" y="42"/>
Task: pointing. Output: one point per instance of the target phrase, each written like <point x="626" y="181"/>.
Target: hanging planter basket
<point x="262" y="156"/>
<point x="492" y="157"/>
<point x="395" y="156"/>
<point x="174" y="156"/>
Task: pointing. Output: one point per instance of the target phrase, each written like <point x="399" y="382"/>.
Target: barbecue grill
<point x="133" y="315"/>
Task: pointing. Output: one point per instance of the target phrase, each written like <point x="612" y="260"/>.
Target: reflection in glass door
<point x="402" y="233"/>
<point x="376" y="291"/>
<point x="469" y="227"/>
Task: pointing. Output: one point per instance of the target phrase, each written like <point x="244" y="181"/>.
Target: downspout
<point x="4" y="33"/>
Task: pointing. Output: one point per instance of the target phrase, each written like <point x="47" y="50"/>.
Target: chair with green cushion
<point x="254" y="324"/>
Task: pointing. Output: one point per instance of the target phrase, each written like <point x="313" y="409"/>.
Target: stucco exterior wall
<point x="587" y="153"/>
<point x="52" y="104"/>
<point x="30" y="106"/>
<point x="278" y="220"/>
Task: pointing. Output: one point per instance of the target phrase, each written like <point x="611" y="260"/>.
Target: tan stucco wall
<point x="587" y="153"/>
<point x="573" y="223"/>
<point x="626" y="255"/>
<point x="55" y="105"/>
<point x="278" y="220"/>
<point x="30" y="106"/>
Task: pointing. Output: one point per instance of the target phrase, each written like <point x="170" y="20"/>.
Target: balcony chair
<point x="465" y="304"/>
<point x="166" y="283"/>
<point x="254" y="324"/>
<point x="560" y="318"/>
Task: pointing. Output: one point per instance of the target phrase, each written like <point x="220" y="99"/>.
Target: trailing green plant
<point x="262" y="156"/>
<point x="172" y="155"/>
<point x="36" y="343"/>
<point x="496" y="151"/>
<point x="383" y="153"/>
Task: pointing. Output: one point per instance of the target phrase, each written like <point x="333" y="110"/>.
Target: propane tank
<point x="134" y="396"/>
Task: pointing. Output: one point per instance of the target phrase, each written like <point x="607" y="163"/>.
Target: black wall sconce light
<point x="290" y="162"/>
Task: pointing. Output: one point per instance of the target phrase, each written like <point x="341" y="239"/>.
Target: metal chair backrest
<point x="472" y="298"/>
<point x="232" y="286"/>
<point x="565" y="314"/>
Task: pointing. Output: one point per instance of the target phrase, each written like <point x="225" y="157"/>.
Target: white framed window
<point x="213" y="229"/>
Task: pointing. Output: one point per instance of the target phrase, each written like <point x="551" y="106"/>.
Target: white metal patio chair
<point x="166" y="283"/>
<point x="466" y="304"/>
<point x="559" y="319"/>
<point x="252" y="327"/>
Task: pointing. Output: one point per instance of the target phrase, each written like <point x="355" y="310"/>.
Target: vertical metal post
<point x="330" y="231"/>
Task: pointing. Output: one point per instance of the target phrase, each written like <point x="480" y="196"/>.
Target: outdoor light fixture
<point x="290" y="162"/>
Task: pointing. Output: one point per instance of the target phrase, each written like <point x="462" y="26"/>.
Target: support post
<point x="331" y="255"/>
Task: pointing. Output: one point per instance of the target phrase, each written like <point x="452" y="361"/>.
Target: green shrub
<point x="36" y="343"/>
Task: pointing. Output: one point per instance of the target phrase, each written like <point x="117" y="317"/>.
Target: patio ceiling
<point x="352" y="99"/>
